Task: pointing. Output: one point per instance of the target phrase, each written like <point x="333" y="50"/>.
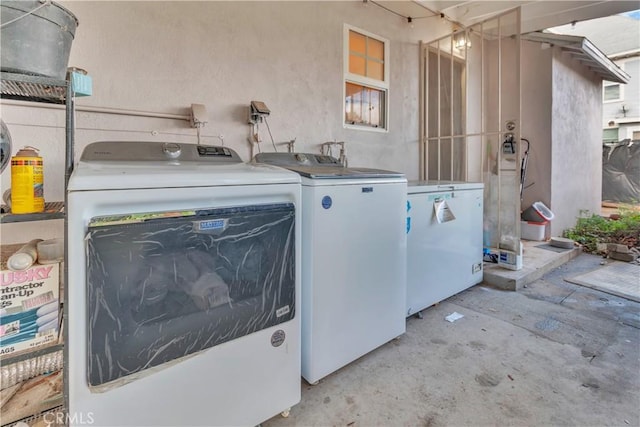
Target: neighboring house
<point x="618" y="36"/>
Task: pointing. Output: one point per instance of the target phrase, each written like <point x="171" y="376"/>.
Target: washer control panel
<point x="296" y="159"/>
<point x="214" y="151"/>
<point x="159" y="152"/>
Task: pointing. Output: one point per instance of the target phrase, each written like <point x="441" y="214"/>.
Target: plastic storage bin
<point x="537" y="212"/>
<point x="530" y="230"/>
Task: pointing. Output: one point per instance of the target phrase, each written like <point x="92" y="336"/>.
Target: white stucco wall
<point x="164" y="56"/>
<point x="576" y="148"/>
<point x="536" y="122"/>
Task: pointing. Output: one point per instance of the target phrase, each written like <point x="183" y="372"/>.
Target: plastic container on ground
<point x="530" y="230"/>
<point x="511" y="260"/>
<point x="537" y="212"/>
<point x="36" y="38"/>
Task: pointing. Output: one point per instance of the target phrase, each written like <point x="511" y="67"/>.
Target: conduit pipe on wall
<point x="103" y="110"/>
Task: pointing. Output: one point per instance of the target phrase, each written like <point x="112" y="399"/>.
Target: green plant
<point x="589" y="231"/>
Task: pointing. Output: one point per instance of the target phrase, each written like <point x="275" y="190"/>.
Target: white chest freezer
<point x="444" y="240"/>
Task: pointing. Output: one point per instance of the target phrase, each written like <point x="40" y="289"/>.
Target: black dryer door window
<point x="164" y="285"/>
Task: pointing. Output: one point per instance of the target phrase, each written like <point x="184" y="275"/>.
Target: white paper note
<point x="443" y="212"/>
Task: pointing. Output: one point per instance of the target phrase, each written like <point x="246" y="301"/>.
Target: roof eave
<point x="616" y="74"/>
<point x="586" y="52"/>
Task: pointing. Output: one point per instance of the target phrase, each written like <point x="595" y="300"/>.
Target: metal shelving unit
<point x="52" y="210"/>
<point x="39" y="89"/>
<point x="22" y="87"/>
<point x="32" y="354"/>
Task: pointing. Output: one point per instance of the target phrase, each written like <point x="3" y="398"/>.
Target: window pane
<point x="611" y="92"/>
<point x="357" y="42"/>
<point x="352" y="89"/>
<point x="364" y="105"/>
<point x="375" y="49"/>
<point x="375" y="70"/>
<point x="375" y="108"/>
<point x="352" y="103"/>
<point x="610" y="135"/>
<point x="357" y="65"/>
<point x="366" y="113"/>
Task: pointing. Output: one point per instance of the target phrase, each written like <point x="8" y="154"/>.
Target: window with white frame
<point x="366" y="79"/>
<point x="611" y="92"/>
<point x="610" y="135"/>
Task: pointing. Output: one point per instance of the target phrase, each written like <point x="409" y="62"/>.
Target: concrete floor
<point x="552" y="353"/>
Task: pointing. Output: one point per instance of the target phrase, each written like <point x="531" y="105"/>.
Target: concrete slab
<point x="617" y="278"/>
<point x="538" y="258"/>
<point x="554" y="353"/>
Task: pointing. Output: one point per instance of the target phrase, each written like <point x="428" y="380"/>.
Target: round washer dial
<point x="171" y="150"/>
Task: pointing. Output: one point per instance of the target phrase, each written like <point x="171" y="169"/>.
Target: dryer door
<point x="164" y="285"/>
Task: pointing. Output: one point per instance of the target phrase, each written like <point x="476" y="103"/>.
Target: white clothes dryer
<point x="183" y="297"/>
<point x="353" y="259"/>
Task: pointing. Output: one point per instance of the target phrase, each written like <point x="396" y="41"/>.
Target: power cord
<point x="271" y="136"/>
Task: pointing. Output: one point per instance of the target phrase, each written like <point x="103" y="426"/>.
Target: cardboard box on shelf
<point x="29" y="308"/>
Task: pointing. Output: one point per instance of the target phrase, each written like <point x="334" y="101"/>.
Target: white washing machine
<point x="353" y="259"/>
<point x="183" y="300"/>
<point x="444" y="240"/>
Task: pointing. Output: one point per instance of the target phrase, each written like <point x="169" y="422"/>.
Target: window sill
<point x="365" y="128"/>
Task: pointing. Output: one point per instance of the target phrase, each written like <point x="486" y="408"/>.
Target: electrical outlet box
<point x="257" y="111"/>
<point x="259" y="107"/>
<point x="508" y="147"/>
<point x="198" y="115"/>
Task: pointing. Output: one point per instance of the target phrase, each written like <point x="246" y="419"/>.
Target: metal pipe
<point x="499" y="154"/>
<point x="518" y="133"/>
<point x="483" y="128"/>
<point x="451" y="108"/>
<point x="465" y="106"/>
<point x="103" y="110"/>
<point x="439" y="105"/>
<point x="421" y="115"/>
<point x="68" y="168"/>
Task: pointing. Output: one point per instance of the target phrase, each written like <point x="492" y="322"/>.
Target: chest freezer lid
<point x="431" y="186"/>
